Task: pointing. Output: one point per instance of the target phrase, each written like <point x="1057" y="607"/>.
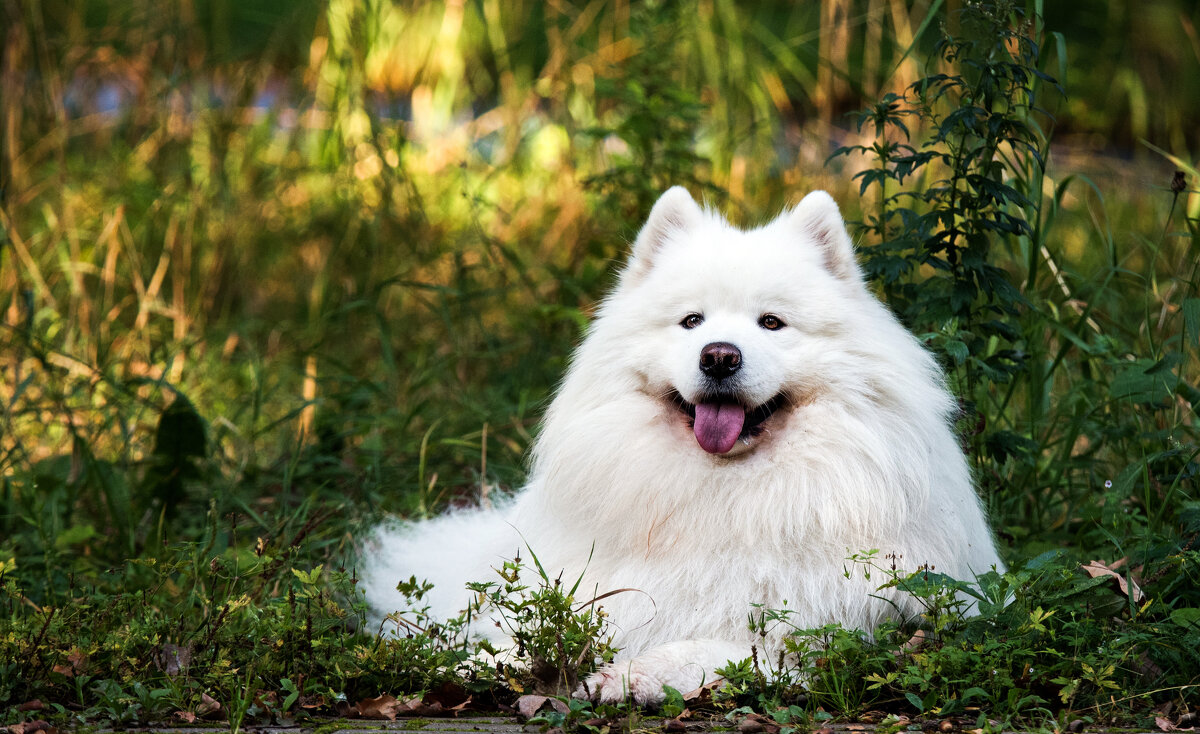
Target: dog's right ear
<point x="673" y="214"/>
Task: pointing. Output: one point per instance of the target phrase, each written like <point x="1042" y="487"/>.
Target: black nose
<point x="720" y="360"/>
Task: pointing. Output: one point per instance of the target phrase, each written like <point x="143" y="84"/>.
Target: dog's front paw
<point x="617" y="682"/>
<point x="684" y="665"/>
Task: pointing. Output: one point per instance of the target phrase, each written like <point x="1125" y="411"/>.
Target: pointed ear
<point x="817" y="218"/>
<point x="674" y="213"/>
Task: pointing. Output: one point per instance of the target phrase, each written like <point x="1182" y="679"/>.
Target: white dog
<point x="742" y="416"/>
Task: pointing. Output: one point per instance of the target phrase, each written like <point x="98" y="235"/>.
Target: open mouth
<point x="719" y="423"/>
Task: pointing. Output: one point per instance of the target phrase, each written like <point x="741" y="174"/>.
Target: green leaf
<point x="956" y="350"/>
<point x="1191" y="323"/>
<point x="74" y="536"/>
<point x="915" y="700"/>
<point x="1140" y="381"/>
<point x="1187" y="617"/>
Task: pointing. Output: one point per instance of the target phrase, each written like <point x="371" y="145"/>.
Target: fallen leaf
<point x="448" y="694"/>
<point x="29" y="727"/>
<point x="530" y="704"/>
<point x="916" y="642"/>
<point x="186" y="717"/>
<point x="416" y="707"/>
<point x="34" y="705"/>
<point x="754" y="723"/>
<point x="383" y="707"/>
<point x="703" y="694"/>
<point x="1164" y="724"/>
<point x="1095" y="569"/>
<point x="674" y="725"/>
<point x="209" y="708"/>
<point x="450" y="697"/>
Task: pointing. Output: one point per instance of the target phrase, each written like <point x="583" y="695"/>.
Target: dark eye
<point x="691" y="321"/>
<point x="771" y="322"/>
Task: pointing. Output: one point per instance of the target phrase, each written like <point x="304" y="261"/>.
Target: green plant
<point x="556" y="638"/>
<point x="933" y="255"/>
<point x="1041" y="638"/>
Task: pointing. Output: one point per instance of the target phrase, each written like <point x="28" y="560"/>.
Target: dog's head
<point x="731" y="330"/>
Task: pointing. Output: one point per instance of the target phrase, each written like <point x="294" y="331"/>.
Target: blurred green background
<point x="294" y="264"/>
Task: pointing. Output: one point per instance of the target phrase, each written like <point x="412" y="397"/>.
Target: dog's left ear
<point x="817" y="218"/>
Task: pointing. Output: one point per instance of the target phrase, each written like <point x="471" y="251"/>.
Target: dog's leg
<point x="684" y="665"/>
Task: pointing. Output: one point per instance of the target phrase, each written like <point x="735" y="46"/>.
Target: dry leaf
<point x="674" y="725"/>
<point x="1164" y="724"/>
<point x="916" y="642"/>
<point x="704" y="693"/>
<point x="186" y="717"/>
<point x="451" y="698"/>
<point x="416" y="707"/>
<point x="754" y="723"/>
<point x="209" y="708"/>
<point x="530" y="704"/>
<point x="749" y="726"/>
<point x="1096" y="569"/>
<point x="383" y="707"/>
<point x="34" y="705"/>
<point x="29" y="727"/>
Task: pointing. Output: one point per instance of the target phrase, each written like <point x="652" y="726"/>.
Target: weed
<point x="1042" y="637"/>
<point x="556" y="639"/>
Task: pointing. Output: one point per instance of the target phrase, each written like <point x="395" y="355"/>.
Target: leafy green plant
<point x="1041" y="638"/>
<point x="943" y="206"/>
<point x="557" y="639"/>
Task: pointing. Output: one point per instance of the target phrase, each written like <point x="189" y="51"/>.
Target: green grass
<point x="236" y="334"/>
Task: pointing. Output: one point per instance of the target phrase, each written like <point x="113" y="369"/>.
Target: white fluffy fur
<point x="863" y="456"/>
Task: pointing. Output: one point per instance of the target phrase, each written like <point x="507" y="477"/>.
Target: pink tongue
<point x="718" y="426"/>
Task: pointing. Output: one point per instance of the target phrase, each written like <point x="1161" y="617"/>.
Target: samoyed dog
<point x="742" y="416"/>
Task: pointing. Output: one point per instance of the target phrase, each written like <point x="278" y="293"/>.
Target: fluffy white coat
<point x="858" y="455"/>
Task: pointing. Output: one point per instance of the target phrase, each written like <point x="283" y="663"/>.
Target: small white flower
<point x="1108" y="484"/>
